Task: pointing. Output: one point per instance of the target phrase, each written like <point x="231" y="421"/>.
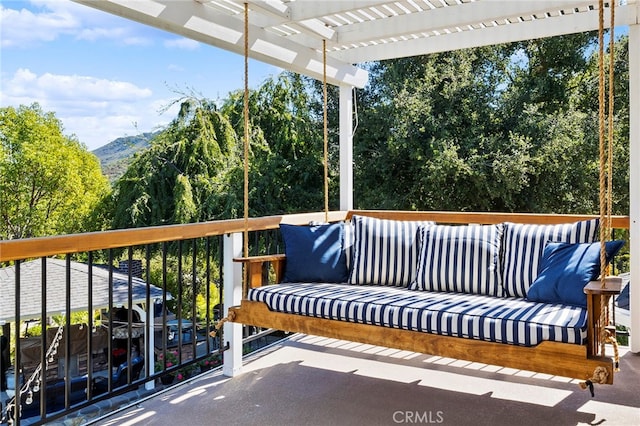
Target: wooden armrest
<point x="598" y="292"/>
<point x="260" y="259"/>
<point x="257" y="268"/>
<point x="612" y="286"/>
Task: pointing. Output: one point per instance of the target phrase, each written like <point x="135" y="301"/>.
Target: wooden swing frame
<point x="554" y="358"/>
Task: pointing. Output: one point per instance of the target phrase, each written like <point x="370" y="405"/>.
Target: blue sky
<point x="104" y="76"/>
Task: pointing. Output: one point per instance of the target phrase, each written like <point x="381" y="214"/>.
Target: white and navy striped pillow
<point x="348" y="243"/>
<point x="524" y="245"/>
<point x="460" y="259"/>
<point x="385" y="252"/>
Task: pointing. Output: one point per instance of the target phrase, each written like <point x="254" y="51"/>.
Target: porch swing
<point x="584" y="359"/>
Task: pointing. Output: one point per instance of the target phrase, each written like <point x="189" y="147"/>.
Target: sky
<point x="103" y="76"/>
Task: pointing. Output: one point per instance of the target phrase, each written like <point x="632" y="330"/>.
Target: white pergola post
<point x="634" y="183"/>
<point x="232" y="295"/>
<point x="346" y="147"/>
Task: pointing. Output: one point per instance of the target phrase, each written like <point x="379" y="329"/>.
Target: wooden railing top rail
<point x="618" y="222"/>
<point x="63" y="244"/>
<point x="75" y="243"/>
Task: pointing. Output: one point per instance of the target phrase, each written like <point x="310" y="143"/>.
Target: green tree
<point x="286" y="169"/>
<point x="428" y="137"/>
<point x="542" y="73"/>
<point x="49" y="183"/>
<point x="501" y="128"/>
<point x="182" y="176"/>
<point x="584" y="99"/>
<point x="563" y="125"/>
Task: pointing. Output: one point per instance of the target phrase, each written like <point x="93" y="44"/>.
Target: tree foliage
<point x="49" y="183"/>
<point x="501" y="128"/>
<point x="193" y="170"/>
<point x="286" y="172"/>
<point x="181" y="177"/>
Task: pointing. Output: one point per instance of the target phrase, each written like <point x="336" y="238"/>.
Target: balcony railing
<point x="90" y="316"/>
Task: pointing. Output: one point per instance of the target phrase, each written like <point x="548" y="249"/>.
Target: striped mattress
<point x="505" y="320"/>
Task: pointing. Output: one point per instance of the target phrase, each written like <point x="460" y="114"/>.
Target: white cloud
<point x="47" y="20"/>
<point x="60" y="87"/>
<point x="95" y="110"/>
<point x="92" y="34"/>
<point x="182" y="43"/>
<point x="23" y="27"/>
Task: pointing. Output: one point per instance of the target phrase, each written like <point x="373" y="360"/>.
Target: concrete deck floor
<point x="307" y="380"/>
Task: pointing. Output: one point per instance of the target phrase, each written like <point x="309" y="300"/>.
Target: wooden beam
<point x="560" y="359"/>
<point x="49" y="246"/>
<point x="444" y="217"/>
<point x="255" y="267"/>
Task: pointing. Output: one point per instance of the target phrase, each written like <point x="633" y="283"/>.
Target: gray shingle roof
<point x="31" y="289"/>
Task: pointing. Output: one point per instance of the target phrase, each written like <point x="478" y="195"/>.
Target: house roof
<point x="56" y="281"/>
<point x="289" y="33"/>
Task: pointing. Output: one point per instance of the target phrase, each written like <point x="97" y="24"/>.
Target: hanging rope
<point x="606" y="152"/>
<point x="246" y="130"/>
<point x="607" y="334"/>
<point x="601" y="143"/>
<point x="611" y="338"/>
<point x="610" y="332"/>
<point x="611" y="116"/>
<point x="326" y="133"/>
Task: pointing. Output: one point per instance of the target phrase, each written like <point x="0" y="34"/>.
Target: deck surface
<point x="308" y="380"/>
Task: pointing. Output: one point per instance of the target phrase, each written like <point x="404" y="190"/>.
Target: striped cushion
<point x="462" y="259"/>
<point x="524" y="244"/>
<point x="348" y="243"/>
<point x="512" y="321"/>
<point x="385" y="252"/>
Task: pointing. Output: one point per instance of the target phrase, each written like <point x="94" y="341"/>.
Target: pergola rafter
<point x="207" y="24"/>
<point x="466" y="31"/>
<point x="289" y="33"/>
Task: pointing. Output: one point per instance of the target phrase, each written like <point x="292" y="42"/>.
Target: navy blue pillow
<point x="314" y="253"/>
<point x="566" y="268"/>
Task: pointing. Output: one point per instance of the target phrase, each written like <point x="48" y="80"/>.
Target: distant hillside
<point x="116" y="156"/>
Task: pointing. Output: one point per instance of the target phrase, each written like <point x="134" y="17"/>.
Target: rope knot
<point x="600" y="376"/>
<point x="230" y="317"/>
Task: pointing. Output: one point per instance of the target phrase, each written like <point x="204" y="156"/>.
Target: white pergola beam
<point x="313" y="9"/>
<point x="200" y="22"/>
<point x="528" y="30"/>
<point x="303" y="15"/>
<point x="346" y="147"/>
<point x="280" y="15"/>
<point x="448" y="18"/>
